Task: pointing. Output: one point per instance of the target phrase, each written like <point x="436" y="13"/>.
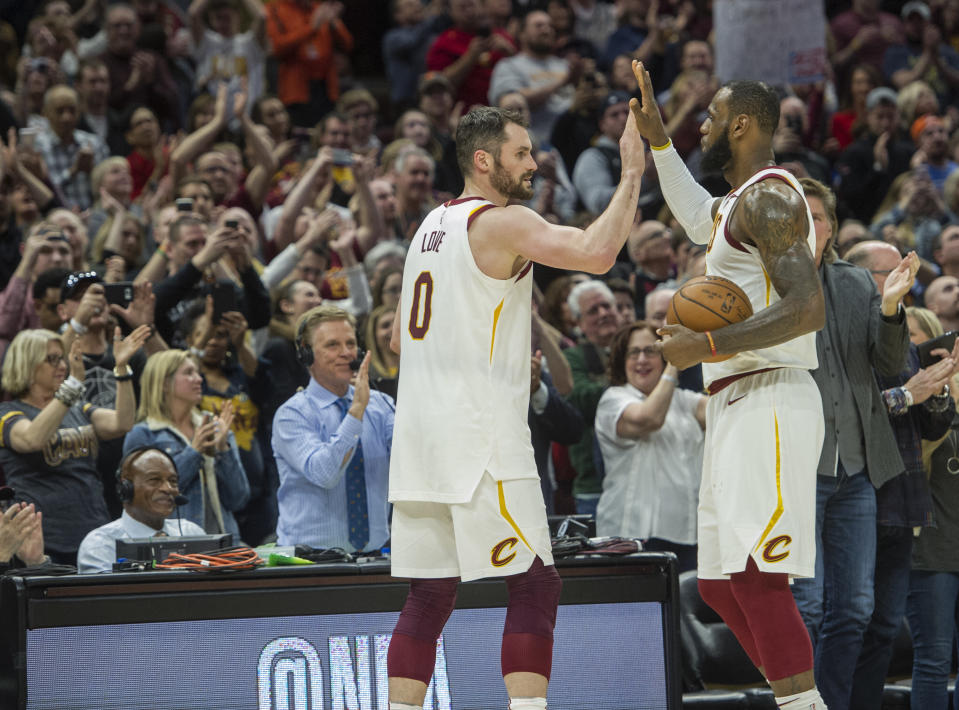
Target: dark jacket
<point x="869" y="341"/>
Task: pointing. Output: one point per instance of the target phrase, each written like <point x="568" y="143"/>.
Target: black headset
<point x="304" y="351"/>
<point x="125" y="487"/>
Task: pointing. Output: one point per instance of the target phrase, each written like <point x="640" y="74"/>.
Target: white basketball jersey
<point x="742" y="264"/>
<point x="463" y="394"/>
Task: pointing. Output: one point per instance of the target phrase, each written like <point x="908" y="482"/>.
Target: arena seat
<point x="712" y="657"/>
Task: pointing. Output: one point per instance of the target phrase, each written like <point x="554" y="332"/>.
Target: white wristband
<point x="78" y="327"/>
<point x="669" y="378"/>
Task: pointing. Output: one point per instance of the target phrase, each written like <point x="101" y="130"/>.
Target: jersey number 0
<point x="422" y="294"/>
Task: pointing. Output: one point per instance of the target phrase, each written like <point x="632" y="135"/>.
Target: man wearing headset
<point x="332" y="443"/>
<point x="147" y="485"/>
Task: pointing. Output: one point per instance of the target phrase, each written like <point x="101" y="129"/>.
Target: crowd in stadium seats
<point x="180" y="182"/>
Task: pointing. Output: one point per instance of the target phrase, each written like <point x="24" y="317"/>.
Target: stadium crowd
<point x="192" y="194"/>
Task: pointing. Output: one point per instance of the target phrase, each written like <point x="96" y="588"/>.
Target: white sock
<point x="527" y="704"/>
<point x="404" y="706"/>
<point x="806" y="700"/>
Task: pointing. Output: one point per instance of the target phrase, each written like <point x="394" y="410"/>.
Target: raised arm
<point x="772" y="216"/>
<point x="520" y="233"/>
<point x="195" y="143"/>
<point x="691" y="204"/>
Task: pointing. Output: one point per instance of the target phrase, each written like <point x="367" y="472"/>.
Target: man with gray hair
<point x="414" y="169"/>
<point x="593" y="306"/>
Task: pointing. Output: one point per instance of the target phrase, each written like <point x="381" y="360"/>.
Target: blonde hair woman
<point x="51" y="435"/>
<point x="204" y="450"/>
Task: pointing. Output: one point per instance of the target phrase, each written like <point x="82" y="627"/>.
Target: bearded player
<point x="764" y="421"/>
<point x="463" y="483"/>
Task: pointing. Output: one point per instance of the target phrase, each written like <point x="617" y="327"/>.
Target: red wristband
<point x="712" y="345"/>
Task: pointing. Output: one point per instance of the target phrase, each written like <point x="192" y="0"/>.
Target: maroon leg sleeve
<point x="412" y="651"/>
<point x="719" y="595"/>
<point x="777" y="628"/>
<point x="530" y="618"/>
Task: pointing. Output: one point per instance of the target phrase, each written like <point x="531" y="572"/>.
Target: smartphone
<point x="946" y="342"/>
<point x="27" y="137"/>
<point x="119" y="293"/>
<point x="184" y="204"/>
<point x="341" y="156"/>
<point x="224" y="300"/>
<point x="484" y="31"/>
<point x="232" y="224"/>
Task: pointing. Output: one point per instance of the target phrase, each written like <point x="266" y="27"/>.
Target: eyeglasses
<point x="648" y="351"/>
<point x="54" y="359"/>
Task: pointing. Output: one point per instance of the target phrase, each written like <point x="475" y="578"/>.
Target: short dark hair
<point x="616" y="368"/>
<point x="51" y="278"/>
<point x="483" y="128"/>
<point x="180" y="223"/>
<point x="756" y="99"/>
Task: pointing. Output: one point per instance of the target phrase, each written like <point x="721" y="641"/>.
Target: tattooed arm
<point x="772" y="217"/>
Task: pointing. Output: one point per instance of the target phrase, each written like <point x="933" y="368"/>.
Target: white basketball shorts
<point x="764" y="434"/>
<point x="499" y="532"/>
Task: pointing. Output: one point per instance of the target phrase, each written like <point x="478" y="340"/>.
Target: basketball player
<point x="764" y="421"/>
<point x="463" y="481"/>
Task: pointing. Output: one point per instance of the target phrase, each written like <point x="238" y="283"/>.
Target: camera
<point x="232" y="224"/>
<point x="184" y="204"/>
<point x="342" y="157"/>
<point x="483" y="31"/>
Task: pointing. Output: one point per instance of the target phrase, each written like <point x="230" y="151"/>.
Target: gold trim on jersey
<point x="492" y="339"/>
<point x="508" y="517"/>
<point x="769" y="283"/>
<point x="777" y="514"/>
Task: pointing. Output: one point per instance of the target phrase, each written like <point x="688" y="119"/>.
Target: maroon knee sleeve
<point x="412" y="651"/>
<point x="530" y="618"/>
<point x="718" y="594"/>
<point x="777" y="628"/>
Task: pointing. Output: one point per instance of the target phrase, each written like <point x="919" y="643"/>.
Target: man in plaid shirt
<point x="70" y="154"/>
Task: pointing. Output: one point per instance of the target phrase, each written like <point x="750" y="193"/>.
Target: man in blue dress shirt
<point x="332" y="443"/>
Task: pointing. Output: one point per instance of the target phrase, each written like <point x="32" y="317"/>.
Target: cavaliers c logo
<point x="769" y="553"/>
<point x="496" y="558"/>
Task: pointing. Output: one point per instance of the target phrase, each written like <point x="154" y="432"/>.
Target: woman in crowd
<point x="933" y="606"/>
<point x="843" y="124"/>
<point x="51" y="436"/>
<point x="232" y="377"/>
<point x="203" y="447"/>
<point x="384" y="363"/>
<point x="386" y="289"/>
<point x="555" y="310"/>
<point x="287" y="374"/>
<point x="650" y="433"/>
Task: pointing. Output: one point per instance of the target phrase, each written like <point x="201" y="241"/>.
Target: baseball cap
<point x="881" y="94"/>
<point x="434" y="80"/>
<point x="915" y="6"/>
<point x="77" y="282"/>
<point x="613" y="98"/>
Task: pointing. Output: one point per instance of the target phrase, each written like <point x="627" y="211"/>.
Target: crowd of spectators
<point x="181" y="182"/>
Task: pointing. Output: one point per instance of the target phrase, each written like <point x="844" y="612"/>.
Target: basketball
<point x="708" y="303"/>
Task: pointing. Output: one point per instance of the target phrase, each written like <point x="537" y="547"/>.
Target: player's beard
<point x="501" y="181"/>
<point x="718" y="155"/>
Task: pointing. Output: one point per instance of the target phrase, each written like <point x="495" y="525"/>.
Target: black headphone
<point x="304" y="351"/>
<point x="125" y="487"/>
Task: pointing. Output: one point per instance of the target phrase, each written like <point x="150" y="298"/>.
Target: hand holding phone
<point x="946" y="342"/>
